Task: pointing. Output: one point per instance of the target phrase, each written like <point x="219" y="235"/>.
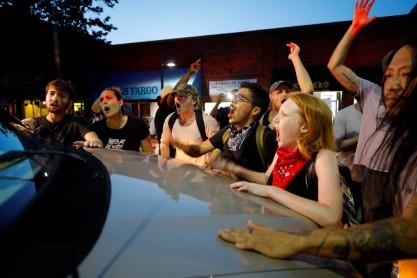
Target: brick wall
<point x="257" y="54"/>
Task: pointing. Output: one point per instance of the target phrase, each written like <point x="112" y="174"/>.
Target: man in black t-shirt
<point x="248" y="105"/>
<point x="58" y="126"/>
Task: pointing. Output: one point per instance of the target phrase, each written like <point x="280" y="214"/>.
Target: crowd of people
<point x="386" y="148"/>
<point x="271" y="140"/>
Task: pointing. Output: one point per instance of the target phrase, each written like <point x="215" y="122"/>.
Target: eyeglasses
<point x="239" y="98"/>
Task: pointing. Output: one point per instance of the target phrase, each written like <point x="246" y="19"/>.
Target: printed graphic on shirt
<point x="115" y="144"/>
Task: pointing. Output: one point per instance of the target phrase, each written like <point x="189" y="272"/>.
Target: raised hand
<point x="360" y="16"/>
<point x="195" y="66"/>
<point x="222" y="98"/>
<point x="294" y="50"/>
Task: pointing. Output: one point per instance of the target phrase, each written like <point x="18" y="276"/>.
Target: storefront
<point x="140" y="89"/>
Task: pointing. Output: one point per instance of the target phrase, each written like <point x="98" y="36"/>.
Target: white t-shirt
<point x="347" y="124"/>
<point x="191" y="134"/>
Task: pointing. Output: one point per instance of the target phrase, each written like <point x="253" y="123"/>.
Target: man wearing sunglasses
<point x="244" y="141"/>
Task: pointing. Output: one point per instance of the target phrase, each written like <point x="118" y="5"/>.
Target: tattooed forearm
<point x="338" y="244"/>
<point x="351" y="77"/>
<point x="379" y="241"/>
<point x="384" y="240"/>
<point x="376" y="241"/>
<point x="342" y="251"/>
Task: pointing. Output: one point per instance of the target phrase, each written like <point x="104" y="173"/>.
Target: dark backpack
<point x="200" y="125"/>
<point x="345" y="181"/>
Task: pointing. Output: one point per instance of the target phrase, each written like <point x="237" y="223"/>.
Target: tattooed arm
<point x="346" y="77"/>
<point x="389" y="239"/>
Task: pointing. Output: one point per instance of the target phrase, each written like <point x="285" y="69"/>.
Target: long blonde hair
<point x="317" y="117"/>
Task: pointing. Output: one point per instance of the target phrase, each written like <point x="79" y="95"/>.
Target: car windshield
<point x="19" y="177"/>
<point x="24" y="168"/>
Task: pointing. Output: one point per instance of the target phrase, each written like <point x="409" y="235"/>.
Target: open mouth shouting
<point x="106" y="109"/>
<point x="178" y="107"/>
<point x="54" y="107"/>
<point x="231" y="111"/>
<point x="277" y="134"/>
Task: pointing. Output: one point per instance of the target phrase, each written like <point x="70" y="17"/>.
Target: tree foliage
<point x="79" y="15"/>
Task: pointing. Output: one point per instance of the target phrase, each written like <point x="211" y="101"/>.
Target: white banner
<point x="225" y="86"/>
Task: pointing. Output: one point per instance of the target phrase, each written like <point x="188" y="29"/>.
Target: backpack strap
<point x="226" y="135"/>
<point x="198" y="118"/>
<point x="172" y="119"/>
<point x="200" y="124"/>
<point x="171" y="122"/>
<point x="260" y="129"/>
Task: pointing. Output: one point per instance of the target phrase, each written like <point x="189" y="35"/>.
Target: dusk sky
<point x="151" y="20"/>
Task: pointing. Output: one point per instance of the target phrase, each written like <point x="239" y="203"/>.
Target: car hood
<point x="163" y="220"/>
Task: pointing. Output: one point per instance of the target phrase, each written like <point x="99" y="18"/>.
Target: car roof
<point x="163" y="219"/>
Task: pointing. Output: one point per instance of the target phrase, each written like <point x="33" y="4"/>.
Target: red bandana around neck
<point x="288" y="165"/>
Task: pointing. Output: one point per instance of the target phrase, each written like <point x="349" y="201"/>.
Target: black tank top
<point x="299" y="186"/>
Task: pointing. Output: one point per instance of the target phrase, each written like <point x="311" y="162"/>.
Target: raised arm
<point x="346" y="77"/>
<point x="303" y="78"/>
<point x="96" y="106"/>
<point x="220" y="98"/>
<point x="194" y="67"/>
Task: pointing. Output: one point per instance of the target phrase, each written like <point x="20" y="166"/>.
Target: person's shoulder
<point x="207" y="116"/>
<point x="75" y="118"/>
<point x="40" y="119"/>
<point x="224" y="109"/>
<point x="267" y="129"/>
<point x="135" y="120"/>
<point x="365" y="84"/>
<point x="99" y="123"/>
<point x="169" y="115"/>
<point x="326" y="155"/>
<point x="218" y="136"/>
<point x="344" y="111"/>
<point x="211" y="122"/>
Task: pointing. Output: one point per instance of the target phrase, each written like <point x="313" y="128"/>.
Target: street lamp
<point x="169" y="62"/>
